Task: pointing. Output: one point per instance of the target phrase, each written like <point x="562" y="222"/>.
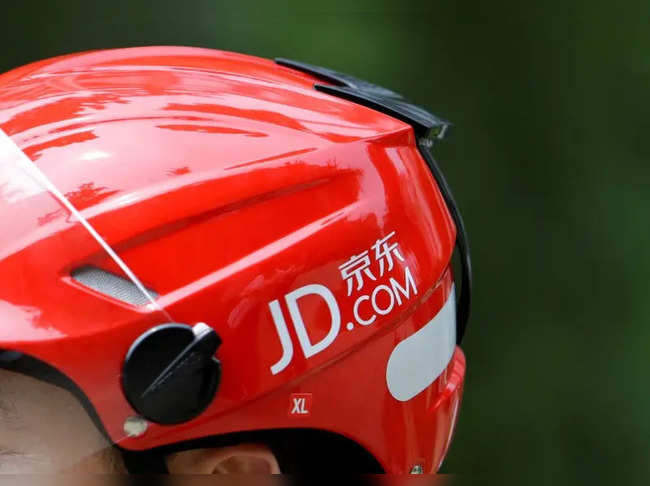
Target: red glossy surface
<point x="224" y="182"/>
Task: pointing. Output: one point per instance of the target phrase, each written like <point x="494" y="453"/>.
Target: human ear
<point x="239" y="459"/>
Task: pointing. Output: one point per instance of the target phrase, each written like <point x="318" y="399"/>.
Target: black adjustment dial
<point x="170" y="374"/>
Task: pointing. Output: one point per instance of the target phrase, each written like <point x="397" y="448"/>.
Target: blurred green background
<point x="549" y="159"/>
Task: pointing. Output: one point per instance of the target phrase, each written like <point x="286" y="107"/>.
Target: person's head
<point x="215" y="263"/>
<point x="45" y="429"/>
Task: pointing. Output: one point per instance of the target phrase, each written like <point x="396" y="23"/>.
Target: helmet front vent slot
<point x="112" y="285"/>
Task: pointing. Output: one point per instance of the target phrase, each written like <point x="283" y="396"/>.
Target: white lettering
<point x="285" y="339"/>
<point x="360" y="320"/>
<point x="299" y="406"/>
<point x="308" y="348"/>
<point x="379" y="310"/>
<point x="356" y="272"/>
<point x="406" y="292"/>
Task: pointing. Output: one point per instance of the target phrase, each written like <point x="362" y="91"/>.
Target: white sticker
<point x="420" y="359"/>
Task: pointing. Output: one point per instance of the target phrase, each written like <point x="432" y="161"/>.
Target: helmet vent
<point x="112" y="285"/>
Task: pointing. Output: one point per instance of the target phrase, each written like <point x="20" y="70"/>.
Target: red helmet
<point x="201" y="244"/>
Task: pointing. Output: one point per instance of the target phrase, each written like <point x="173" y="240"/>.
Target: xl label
<point x="368" y="274"/>
<point x="300" y="405"/>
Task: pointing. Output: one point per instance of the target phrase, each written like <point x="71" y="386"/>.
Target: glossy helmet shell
<point x="227" y="183"/>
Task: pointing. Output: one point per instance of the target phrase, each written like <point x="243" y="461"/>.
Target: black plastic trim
<point x="373" y="96"/>
<point x="464" y="302"/>
<point x="422" y="121"/>
<point x="340" y="79"/>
